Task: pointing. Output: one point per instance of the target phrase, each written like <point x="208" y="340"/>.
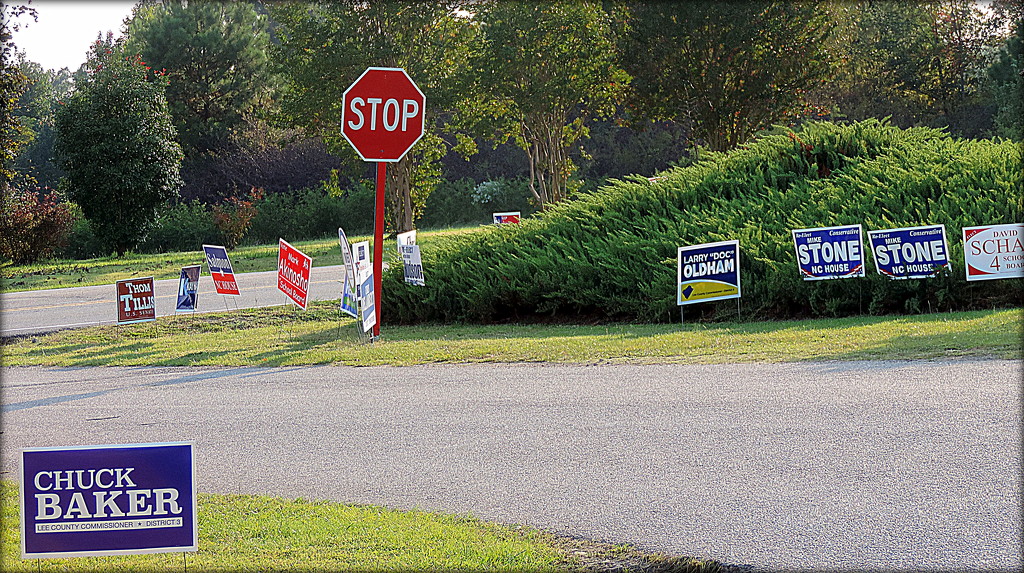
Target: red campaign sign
<point x="135" y="301"/>
<point x="293" y="268"/>
<point x="382" y="114"/>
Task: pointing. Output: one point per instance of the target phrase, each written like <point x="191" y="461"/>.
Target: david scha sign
<point x="911" y="252"/>
<point x="994" y="252"/>
<point x="829" y="252"/>
<point x="135" y="301"/>
<point x="709" y="272"/>
<point x="220" y="270"/>
<point x="293" y="269"/>
<point x="107" y="500"/>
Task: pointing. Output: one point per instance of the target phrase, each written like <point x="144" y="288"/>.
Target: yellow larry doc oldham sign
<point x="708" y="272"/>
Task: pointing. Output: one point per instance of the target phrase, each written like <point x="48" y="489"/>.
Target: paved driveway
<point x="846" y="465"/>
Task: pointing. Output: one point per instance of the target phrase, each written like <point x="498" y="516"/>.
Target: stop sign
<point x="382" y="114"/>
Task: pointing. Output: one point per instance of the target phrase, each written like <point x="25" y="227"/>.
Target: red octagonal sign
<point x="382" y="114"/>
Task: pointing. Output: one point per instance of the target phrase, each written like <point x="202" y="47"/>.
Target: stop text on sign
<point x="382" y="114"/>
<point x="392" y="115"/>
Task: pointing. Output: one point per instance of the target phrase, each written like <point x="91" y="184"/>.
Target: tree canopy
<point x="117" y="145"/>
<point x="214" y="58"/>
<point x="727" y="69"/>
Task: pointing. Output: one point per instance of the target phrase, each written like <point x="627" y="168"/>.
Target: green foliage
<point x="727" y="69"/>
<point x="312" y="213"/>
<point x="542" y="70"/>
<point x="463" y="202"/>
<point x="215" y="55"/>
<point x="32" y="225"/>
<point x="612" y="254"/>
<point x="324" y="46"/>
<point x="1006" y="84"/>
<point x="185" y="226"/>
<point x="116" y="144"/>
<point x="920" y="63"/>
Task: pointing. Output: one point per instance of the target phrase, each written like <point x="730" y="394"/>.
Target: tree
<point x="543" y="69"/>
<point x="325" y="46"/>
<point x="12" y="84"/>
<point x="116" y="144"/>
<point x="920" y="63"/>
<point x="216" y="59"/>
<point x="36" y="108"/>
<point x="725" y="69"/>
<point x="1006" y="76"/>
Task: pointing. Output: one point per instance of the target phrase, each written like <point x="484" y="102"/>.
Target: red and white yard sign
<point x="293" y="268"/>
<point x="135" y="301"/>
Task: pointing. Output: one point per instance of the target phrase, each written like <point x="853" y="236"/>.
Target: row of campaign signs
<point x="706" y="272"/>
<point x="711" y="271"/>
<point x="136" y="300"/>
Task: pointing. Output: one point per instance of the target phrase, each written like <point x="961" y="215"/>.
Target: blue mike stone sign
<point x="108" y="500"/>
<point x="910" y="252"/>
<point x="829" y="252"/>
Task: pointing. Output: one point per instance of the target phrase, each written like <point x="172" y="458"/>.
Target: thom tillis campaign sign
<point x="135" y="301"/>
<point x="107" y="500"/>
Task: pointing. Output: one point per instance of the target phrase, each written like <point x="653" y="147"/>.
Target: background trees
<point x="725" y="69"/>
<point x="544" y="69"/>
<point x="534" y="98"/>
<point x="215" y="55"/>
<point x="117" y="145"/>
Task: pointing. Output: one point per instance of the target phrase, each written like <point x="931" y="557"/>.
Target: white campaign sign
<point x="994" y="252"/>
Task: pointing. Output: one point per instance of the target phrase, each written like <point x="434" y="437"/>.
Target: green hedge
<point x="611" y="254"/>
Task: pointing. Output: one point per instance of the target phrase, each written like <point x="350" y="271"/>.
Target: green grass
<point x="286" y="336"/>
<point x="259" y="533"/>
<point x="108" y="270"/>
<point x="254" y="533"/>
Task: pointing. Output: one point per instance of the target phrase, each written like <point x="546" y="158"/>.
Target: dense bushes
<point x="612" y="254"/>
<point x="32" y="225"/>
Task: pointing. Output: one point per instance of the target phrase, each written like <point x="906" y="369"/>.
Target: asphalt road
<point x="820" y="466"/>
<point x="39" y="311"/>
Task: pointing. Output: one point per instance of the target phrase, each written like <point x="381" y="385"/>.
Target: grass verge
<point x="257" y="533"/>
<point x="285" y="336"/>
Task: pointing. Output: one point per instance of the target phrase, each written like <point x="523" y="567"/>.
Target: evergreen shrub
<point x="611" y="254"/>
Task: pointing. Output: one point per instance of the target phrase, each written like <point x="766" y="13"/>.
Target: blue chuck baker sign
<point x="911" y="252"/>
<point x="108" y="500"/>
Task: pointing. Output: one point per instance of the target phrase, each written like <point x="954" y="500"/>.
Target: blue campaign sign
<point x="910" y="252"/>
<point x="188" y="289"/>
<point x="108" y="500"/>
<point x="708" y="272"/>
<point x="367" y="303"/>
<point x="829" y="252"/>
